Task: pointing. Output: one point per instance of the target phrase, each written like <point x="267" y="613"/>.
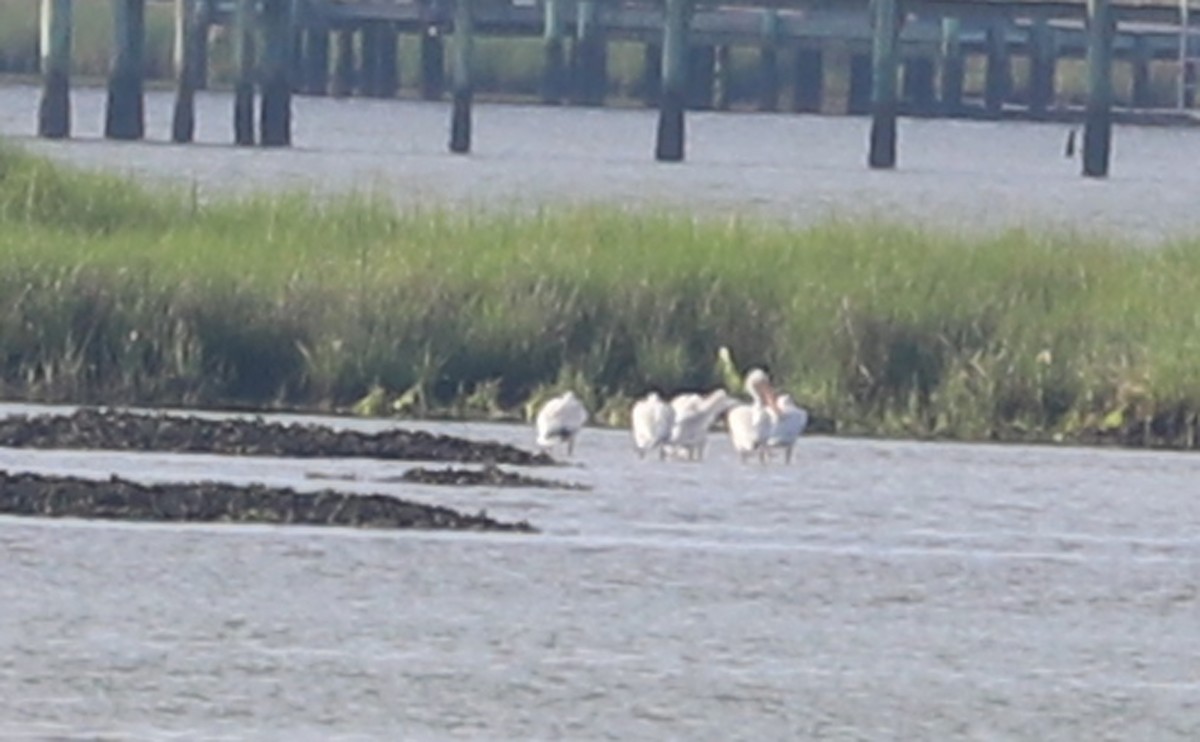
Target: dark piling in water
<point x="243" y="89"/>
<point x="54" y="108"/>
<point x="464" y="43"/>
<point x="1097" y="130"/>
<point x="886" y="30"/>
<point x="919" y="84"/>
<point x="389" y="60"/>
<point x="191" y="24"/>
<point x="858" y="98"/>
<point x="650" y="86"/>
<point x="278" y="36"/>
<point x="701" y="65"/>
<point x="125" y="111"/>
<point x="669" y="142"/>
<point x="723" y="78"/>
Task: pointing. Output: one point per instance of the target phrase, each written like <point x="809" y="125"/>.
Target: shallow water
<point x="872" y="590"/>
<point x="956" y="174"/>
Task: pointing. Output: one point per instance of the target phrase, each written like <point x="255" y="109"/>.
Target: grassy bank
<point x="117" y="294"/>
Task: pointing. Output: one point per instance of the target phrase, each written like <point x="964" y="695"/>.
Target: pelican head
<point x="758" y="386"/>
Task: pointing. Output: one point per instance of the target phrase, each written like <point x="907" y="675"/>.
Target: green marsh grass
<point x="113" y="293"/>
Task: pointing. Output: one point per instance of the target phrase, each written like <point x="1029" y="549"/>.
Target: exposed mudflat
<point x="488" y="476"/>
<point x="92" y="428"/>
<point x="121" y="499"/>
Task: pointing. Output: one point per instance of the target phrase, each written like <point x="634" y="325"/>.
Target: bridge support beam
<point x="244" y="63"/>
<point x="997" y="80"/>
<point x="554" y="64"/>
<point x="464" y="46"/>
<point x="669" y="144"/>
<point x="953" y="68"/>
<point x="885" y="33"/>
<point x="1043" y="60"/>
<point x="590" y="56"/>
<point x="278" y="36"/>
<point x="433" y="63"/>
<point x="191" y="26"/>
<point x="1097" y="130"/>
<point x="54" y="108"/>
<point x="125" y="112"/>
<point x="768" y="62"/>
<point x="343" y="63"/>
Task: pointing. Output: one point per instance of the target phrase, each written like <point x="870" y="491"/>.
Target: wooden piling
<point x="54" y="109"/>
<point x="464" y="43"/>
<point x="1097" y="129"/>
<point x="808" y="91"/>
<point x="768" y="62"/>
<point x="125" y="112"/>
<point x="343" y="63"/>
<point x="885" y="32"/>
<point x="953" y="68"/>
<point x="554" y="66"/>
<point x="1042" y="64"/>
<point x="669" y="142"/>
<point x="996" y="79"/>
<point x="433" y="63"/>
<point x="591" y="58"/>
<point x="275" y="118"/>
<point x="316" y="59"/>
<point x="650" y="86"/>
<point x="189" y="24"/>
<point x="243" y="88"/>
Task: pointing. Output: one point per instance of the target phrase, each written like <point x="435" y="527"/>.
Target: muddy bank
<point x="92" y="428"/>
<point x="489" y="476"/>
<point x="209" y="502"/>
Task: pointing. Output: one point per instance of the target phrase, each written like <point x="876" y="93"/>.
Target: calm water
<point x="870" y="591"/>
<point x="967" y="175"/>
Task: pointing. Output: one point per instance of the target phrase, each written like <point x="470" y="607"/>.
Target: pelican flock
<point x="679" y="428"/>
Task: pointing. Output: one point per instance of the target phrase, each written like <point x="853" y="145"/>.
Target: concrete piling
<point x="1042" y="65"/>
<point x="275" y="118"/>
<point x="54" y="108"/>
<point x="768" y="62"/>
<point x="953" y="68"/>
<point x="1097" y="129"/>
<point x="669" y="142"/>
<point x="344" y="73"/>
<point x="125" y="112"/>
<point x="464" y="43"/>
<point x="243" y="89"/>
<point x="554" y="66"/>
<point x="885" y="34"/>
<point x="190" y="35"/>
<point x="808" y="91"/>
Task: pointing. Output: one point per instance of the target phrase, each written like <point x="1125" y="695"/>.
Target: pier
<point x="889" y="58"/>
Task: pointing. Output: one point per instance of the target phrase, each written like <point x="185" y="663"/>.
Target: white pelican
<point x="694" y="415"/>
<point x="651" y="419"/>
<point x="559" y="421"/>
<point x="790" y="422"/>
<point x="750" y="424"/>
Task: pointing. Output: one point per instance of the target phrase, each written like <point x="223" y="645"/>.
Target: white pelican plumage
<point x="750" y="425"/>
<point x="559" y="421"/>
<point x="651" y="420"/>
<point x="790" y="422"/>
<point x="694" y="415"/>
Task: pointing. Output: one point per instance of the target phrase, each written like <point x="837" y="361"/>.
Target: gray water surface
<point x="959" y="175"/>
<point x="872" y="590"/>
